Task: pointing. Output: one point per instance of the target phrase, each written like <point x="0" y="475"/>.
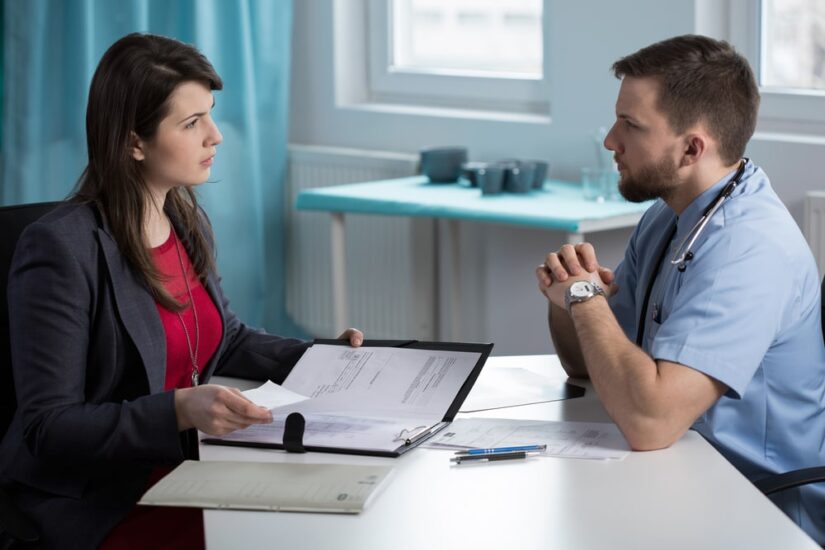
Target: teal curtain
<point x="51" y="50"/>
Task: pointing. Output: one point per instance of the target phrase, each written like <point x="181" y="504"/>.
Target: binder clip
<point x="294" y="433"/>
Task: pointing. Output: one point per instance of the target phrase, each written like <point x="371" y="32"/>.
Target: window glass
<point x="793" y="44"/>
<point x="486" y="37"/>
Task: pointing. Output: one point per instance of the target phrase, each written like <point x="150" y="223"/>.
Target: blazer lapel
<point x="137" y="312"/>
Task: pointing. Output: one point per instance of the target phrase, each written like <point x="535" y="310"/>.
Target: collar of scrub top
<point x="687" y="230"/>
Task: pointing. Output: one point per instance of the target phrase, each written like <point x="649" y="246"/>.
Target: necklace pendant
<point x="194" y="376"/>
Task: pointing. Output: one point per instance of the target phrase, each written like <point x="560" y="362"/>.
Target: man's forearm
<point x="563" y="333"/>
<point x="624" y="376"/>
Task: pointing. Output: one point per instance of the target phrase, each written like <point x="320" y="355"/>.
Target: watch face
<point x="580" y="289"/>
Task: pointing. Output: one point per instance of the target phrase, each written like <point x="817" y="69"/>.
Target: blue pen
<point x="496" y="450"/>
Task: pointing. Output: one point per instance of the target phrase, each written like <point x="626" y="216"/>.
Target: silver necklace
<point x="193" y="354"/>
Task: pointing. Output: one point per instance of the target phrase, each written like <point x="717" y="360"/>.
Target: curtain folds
<point x="51" y="48"/>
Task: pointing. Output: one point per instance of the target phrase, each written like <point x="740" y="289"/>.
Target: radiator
<point x="814" y="222"/>
<point x="391" y="271"/>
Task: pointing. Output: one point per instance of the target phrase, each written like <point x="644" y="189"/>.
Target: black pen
<point x="489" y="457"/>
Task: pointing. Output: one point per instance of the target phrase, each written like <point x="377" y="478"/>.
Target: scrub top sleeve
<point x="727" y="309"/>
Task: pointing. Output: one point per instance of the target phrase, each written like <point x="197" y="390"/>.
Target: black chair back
<point x="13" y="220"/>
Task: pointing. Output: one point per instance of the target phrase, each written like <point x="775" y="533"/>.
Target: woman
<point x="118" y="319"/>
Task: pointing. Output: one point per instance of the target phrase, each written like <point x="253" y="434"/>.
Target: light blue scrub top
<point x="746" y="312"/>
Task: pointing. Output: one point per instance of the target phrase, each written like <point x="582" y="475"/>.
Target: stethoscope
<point x="684" y="252"/>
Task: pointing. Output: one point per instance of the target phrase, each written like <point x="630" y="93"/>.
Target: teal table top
<point x="559" y="205"/>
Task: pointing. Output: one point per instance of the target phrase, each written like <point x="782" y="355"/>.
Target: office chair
<point x="13" y="220"/>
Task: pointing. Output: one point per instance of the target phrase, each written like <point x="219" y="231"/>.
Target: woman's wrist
<point x="181" y="399"/>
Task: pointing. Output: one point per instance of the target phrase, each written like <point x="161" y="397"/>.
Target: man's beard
<point x="653" y="181"/>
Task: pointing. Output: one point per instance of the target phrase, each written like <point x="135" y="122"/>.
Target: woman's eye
<point x="191" y="124"/>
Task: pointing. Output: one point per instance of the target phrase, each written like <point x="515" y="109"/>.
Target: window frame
<point x="781" y="109"/>
<point x="450" y="89"/>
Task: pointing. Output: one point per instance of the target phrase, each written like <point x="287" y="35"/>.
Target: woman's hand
<point x="355" y="337"/>
<point x="217" y="410"/>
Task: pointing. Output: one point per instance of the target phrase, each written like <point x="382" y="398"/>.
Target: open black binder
<point x="415" y="435"/>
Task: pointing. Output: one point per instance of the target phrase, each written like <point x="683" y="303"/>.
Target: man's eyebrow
<point x="631" y="118"/>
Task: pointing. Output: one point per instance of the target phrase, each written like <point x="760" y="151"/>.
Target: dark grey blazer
<point x="89" y="359"/>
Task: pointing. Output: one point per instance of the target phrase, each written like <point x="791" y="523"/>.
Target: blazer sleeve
<point x="255" y="354"/>
<point x="54" y="283"/>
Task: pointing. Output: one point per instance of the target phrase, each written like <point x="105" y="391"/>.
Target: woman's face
<point x="184" y="146"/>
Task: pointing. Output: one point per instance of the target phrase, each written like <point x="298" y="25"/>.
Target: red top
<point x="178" y="361"/>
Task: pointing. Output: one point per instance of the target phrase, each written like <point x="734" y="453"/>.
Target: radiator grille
<point x="390" y="275"/>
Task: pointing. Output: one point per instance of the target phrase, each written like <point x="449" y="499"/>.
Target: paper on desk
<point x="271" y="395"/>
<point x="339" y="431"/>
<point x="498" y="388"/>
<point x="370" y="398"/>
<point x="414" y="381"/>
<point x="286" y="487"/>
<point x="594" y="440"/>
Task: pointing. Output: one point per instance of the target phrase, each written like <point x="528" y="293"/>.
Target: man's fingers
<point x="570" y="258"/>
<point x="554" y="265"/>
<point x="587" y="256"/>
<point x="606" y="275"/>
<point x="543" y="275"/>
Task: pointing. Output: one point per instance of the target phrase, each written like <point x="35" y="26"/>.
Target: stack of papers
<point x="375" y="400"/>
<point x="337" y="488"/>
<point x="594" y="440"/>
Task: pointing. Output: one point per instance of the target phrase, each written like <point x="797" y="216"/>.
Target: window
<point x="784" y="40"/>
<point x="496" y="38"/>
<point x="486" y="55"/>
<point x="793" y="44"/>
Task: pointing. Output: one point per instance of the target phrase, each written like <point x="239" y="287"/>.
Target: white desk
<point x="558" y="206"/>
<point x="687" y="496"/>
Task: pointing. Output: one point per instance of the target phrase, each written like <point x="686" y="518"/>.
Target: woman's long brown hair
<point x="129" y="93"/>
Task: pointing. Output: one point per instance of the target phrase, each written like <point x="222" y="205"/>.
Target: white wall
<point x="501" y="301"/>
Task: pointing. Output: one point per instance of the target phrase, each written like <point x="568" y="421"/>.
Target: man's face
<point x="644" y="145"/>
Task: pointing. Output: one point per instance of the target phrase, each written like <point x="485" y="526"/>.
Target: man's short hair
<point x="702" y="79"/>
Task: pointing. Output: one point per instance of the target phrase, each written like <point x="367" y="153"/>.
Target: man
<point x="713" y="327"/>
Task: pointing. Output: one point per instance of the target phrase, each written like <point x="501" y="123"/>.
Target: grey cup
<point x="540" y="173"/>
<point x="490" y="179"/>
<point x="443" y="164"/>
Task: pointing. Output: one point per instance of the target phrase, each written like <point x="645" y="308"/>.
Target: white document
<point x="369" y="398"/>
<point x="340" y="431"/>
<point x="498" y="388"/>
<point x="268" y="486"/>
<point x="271" y="395"/>
<point x="410" y="380"/>
<point x="594" y="440"/>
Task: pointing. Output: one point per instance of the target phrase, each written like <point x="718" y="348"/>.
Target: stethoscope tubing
<point x="681" y="261"/>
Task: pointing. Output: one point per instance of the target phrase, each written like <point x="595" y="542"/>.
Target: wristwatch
<point x="581" y="291"/>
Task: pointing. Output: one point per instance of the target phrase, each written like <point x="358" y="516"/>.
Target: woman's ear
<point x="137" y="147"/>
